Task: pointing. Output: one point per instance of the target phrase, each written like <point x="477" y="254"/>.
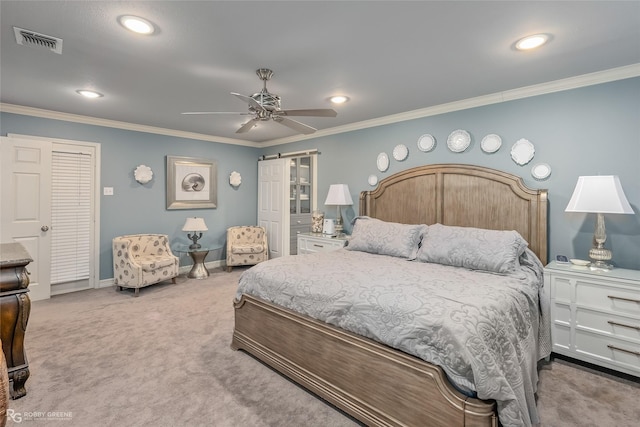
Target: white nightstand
<point x="309" y="243"/>
<point x="595" y="315"/>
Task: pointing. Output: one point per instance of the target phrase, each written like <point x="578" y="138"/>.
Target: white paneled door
<point x="25" y="213"/>
<point x="273" y="215"/>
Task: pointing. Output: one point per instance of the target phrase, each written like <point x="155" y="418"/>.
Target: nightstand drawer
<point x="322" y="246"/>
<point x="309" y="243"/>
<point x="602" y="296"/>
<point x="610" y="352"/>
<point x="607" y="323"/>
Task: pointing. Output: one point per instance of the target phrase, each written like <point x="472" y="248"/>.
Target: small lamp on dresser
<point x="600" y="195"/>
<point x="339" y="195"/>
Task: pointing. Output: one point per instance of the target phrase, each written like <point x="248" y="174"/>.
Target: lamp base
<point x="339" y="228"/>
<point x="598" y="253"/>
<point x="600" y="266"/>
<point x="194" y="238"/>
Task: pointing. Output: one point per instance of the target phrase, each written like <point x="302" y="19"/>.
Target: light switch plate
<point x="108" y="191"/>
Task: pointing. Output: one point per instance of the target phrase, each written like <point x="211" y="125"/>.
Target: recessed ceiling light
<point x="89" y="93"/>
<point x="136" y="24"/>
<point x="339" y="99"/>
<point x="532" y="42"/>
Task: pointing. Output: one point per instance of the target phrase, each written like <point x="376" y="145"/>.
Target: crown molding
<point x="95" y="121"/>
<point x="569" y="83"/>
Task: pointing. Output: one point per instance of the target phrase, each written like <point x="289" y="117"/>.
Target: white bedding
<point x="487" y="331"/>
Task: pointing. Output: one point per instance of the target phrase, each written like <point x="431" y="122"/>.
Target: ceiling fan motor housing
<point x="268" y="101"/>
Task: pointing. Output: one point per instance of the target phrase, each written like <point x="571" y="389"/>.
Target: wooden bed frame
<point x="374" y="383"/>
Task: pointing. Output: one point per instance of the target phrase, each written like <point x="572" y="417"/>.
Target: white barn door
<point x="273" y="204"/>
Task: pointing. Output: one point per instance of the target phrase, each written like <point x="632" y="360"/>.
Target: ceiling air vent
<point x="31" y="38"/>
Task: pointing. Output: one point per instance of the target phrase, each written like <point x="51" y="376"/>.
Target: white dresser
<point x="595" y="315"/>
<point x="309" y="243"/>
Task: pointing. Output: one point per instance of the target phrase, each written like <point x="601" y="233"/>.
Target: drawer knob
<point x="611" y="322"/>
<point x="623" y="299"/>
<point x="613" y="347"/>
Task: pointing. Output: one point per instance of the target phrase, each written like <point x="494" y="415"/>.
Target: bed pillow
<point x="385" y="238"/>
<point x="474" y="248"/>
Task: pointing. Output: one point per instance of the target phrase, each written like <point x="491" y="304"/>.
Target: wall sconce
<point x="143" y="174"/>
<point x="194" y="225"/>
<point x="235" y="179"/>
<point x="599" y="195"/>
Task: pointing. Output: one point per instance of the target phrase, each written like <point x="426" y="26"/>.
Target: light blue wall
<point x="588" y="131"/>
<point x="136" y="208"/>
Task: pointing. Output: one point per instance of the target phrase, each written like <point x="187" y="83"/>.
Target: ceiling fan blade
<point x="247" y="126"/>
<point x="214" y="112"/>
<point x="295" y="125"/>
<point x="319" y="112"/>
<point x="252" y="102"/>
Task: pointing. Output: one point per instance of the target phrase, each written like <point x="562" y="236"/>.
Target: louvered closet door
<point x="71" y="218"/>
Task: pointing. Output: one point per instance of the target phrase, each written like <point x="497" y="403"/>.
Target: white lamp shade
<point x="599" y="194"/>
<point x="339" y="195"/>
<point x="194" y="224"/>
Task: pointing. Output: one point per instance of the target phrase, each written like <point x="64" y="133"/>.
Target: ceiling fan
<point x="265" y="106"/>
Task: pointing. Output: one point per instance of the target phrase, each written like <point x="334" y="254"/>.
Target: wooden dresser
<point x="15" y="307"/>
<point x="595" y="315"/>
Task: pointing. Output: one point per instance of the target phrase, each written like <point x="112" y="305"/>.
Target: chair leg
<point x="173" y="280"/>
<point x="137" y="292"/>
<point x="229" y="268"/>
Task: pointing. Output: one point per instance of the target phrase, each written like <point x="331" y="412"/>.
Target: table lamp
<point x="195" y="225"/>
<point x="339" y="195"/>
<point x="600" y="195"/>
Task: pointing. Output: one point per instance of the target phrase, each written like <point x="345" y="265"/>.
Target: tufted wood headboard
<point x="461" y="195"/>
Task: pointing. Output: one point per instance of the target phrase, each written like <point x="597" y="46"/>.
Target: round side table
<point x="198" y="255"/>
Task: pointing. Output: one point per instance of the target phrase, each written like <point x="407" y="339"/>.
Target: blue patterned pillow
<point x="474" y="248"/>
<point x="385" y="238"/>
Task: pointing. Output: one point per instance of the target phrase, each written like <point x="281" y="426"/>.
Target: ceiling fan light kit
<point x="264" y="106"/>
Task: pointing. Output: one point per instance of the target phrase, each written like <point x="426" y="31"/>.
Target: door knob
<point x="44" y="228"/>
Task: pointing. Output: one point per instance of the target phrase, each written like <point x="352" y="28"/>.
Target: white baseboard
<point x="185" y="269"/>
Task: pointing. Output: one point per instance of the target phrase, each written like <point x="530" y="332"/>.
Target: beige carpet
<point x="104" y="358"/>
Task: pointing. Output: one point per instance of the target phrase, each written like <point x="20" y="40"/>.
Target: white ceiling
<point x="389" y="57"/>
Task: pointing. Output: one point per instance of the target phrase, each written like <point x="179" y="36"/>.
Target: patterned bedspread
<point x="487" y="331"/>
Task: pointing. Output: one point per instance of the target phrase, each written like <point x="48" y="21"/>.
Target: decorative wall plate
<point x="400" y="152"/>
<point x="522" y="151"/>
<point x="491" y="143"/>
<point x="426" y="142"/>
<point x="458" y="140"/>
<point x="235" y="179"/>
<point x="541" y="171"/>
<point x="382" y="162"/>
<point x="372" y="180"/>
<point x="143" y="174"/>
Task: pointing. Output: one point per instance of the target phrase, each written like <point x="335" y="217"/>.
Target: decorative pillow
<point x="385" y="238"/>
<point x="474" y="248"/>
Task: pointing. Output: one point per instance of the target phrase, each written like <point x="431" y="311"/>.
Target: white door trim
<point x="96" y="147"/>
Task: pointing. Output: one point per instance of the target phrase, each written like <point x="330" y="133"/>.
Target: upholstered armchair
<point x="246" y="245"/>
<point x="141" y="260"/>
